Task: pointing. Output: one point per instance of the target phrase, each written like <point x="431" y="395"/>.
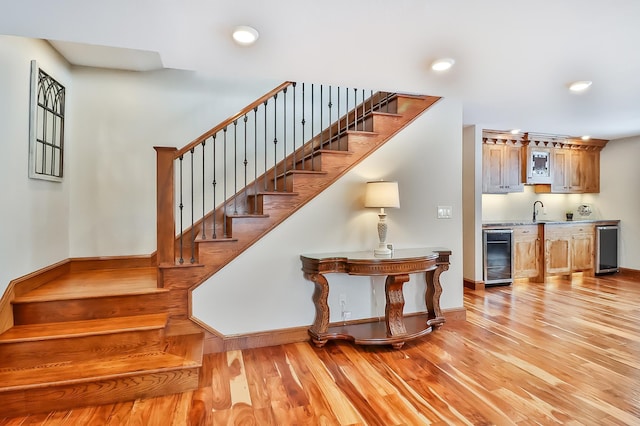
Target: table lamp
<point x="382" y="194"/>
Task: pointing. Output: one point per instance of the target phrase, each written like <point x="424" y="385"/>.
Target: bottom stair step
<point x="65" y="385"/>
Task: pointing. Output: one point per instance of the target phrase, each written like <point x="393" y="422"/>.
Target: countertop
<point x="507" y="223"/>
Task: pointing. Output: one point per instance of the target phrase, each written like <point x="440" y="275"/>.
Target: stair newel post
<point x="165" y="204"/>
<point x="275" y="142"/>
<point x="213" y="184"/>
<point x="224" y="183"/>
<point x="204" y="232"/>
<point x="255" y="159"/>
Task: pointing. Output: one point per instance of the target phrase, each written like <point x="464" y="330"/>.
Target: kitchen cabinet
<point x="501" y="168"/>
<point x="569" y="248"/>
<point x="568" y="176"/>
<point x="527" y="253"/>
<point x="591" y="170"/>
<point x="582" y="248"/>
<point x="557" y="250"/>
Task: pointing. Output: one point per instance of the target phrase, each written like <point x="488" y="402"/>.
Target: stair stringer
<point x="214" y="254"/>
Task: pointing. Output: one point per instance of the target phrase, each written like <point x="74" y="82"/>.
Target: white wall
<point x="264" y="288"/>
<point x="620" y="196"/>
<point x="34" y="224"/>
<point x="120" y="117"/>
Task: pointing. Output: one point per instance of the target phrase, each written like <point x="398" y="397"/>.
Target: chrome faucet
<point x="534" y="209"/>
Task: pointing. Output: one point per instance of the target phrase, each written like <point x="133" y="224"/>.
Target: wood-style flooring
<point x="529" y="354"/>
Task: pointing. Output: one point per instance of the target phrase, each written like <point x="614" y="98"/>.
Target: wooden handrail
<point x="233" y="118"/>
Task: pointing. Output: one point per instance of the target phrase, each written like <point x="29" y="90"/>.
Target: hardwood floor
<point x="555" y="353"/>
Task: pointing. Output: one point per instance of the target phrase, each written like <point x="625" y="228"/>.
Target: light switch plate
<point x="445" y="212"/>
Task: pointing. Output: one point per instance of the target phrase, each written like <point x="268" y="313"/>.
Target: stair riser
<point x="28" y="354"/>
<point x="107" y="391"/>
<point x="86" y="309"/>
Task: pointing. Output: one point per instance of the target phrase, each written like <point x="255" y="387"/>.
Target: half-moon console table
<point x="396" y="329"/>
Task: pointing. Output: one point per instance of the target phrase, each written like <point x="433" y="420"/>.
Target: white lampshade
<point x="382" y="194"/>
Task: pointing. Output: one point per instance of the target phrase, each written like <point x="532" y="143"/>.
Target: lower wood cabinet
<point x="569" y="248"/>
<point x="527" y="253"/>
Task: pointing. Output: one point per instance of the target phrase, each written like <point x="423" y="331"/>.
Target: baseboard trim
<point x="473" y="285"/>
<point x="215" y="343"/>
<point x="631" y="273"/>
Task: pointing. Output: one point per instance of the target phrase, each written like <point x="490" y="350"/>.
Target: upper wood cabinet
<point x="568" y="174"/>
<point x="501" y="166"/>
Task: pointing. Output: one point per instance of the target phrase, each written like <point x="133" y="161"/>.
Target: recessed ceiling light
<point x="585" y="137"/>
<point x="442" y="64"/>
<point x="580" y="86"/>
<point x="515" y="131"/>
<point x="245" y="35"/>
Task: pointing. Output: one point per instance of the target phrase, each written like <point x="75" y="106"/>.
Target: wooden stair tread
<point x="247" y="215"/>
<point x="71" y="372"/>
<point x="67" y="329"/>
<point x="87" y="284"/>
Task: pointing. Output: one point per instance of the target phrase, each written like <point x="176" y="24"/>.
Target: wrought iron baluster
<point x="204" y="232"/>
<point x="193" y="234"/>
<point x="355" y="109"/>
<point x="321" y="134"/>
<point x="213" y="183"/>
<point x="284" y="137"/>
<point x="181" y="207"/>
<point x="224" y="184"/>
<point x="339" y="128"/>
<point x="303" y="122"/>
<point x="275" y="142"/>
<point x="265" y="145"/>
<point x="363" y="110"/>
<point x="255" y="159"/>
<point x="330" y="122"/>
<point x="313" y="166"/>
<point x="245" y="162"/>
<point x="235" y="166"/>
<point x="293" y="121"/>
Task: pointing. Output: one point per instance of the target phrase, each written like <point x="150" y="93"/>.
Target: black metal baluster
<point x="303" y="122"/>
<point x="330" y="122"/>
<point x="265" y="145"/>
<point x="204" y="232"/>
<point x="355" y="109"/>
<point x="293" y="121"/>
<point x="321" y="140"/>
<point x="275" y="142"/>
<point x="284" y="137"/>
<point x="235" y="166"/>
<point x="193" y="234"/>
<point x="255" y="159"/>
<point x="245" y="162"/>
<point x="181" y="206"/>
<point x="364" y="113"/>
<point x="215" y="235"/>
<point x="338" y="127"/>
<point x="313" y="166"/>
<point x="224" y="184"/>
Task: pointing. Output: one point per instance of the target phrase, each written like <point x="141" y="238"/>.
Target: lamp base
<point x="382" y="251"/>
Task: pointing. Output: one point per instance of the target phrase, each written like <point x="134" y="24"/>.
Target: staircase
<point x="99" y="332"/>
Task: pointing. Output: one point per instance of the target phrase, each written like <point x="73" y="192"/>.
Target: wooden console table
<point x="396" y="329"/>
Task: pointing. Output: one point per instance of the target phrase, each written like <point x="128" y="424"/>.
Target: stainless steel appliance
<point x="606" y="249"/>
<point x="498" y="256"/>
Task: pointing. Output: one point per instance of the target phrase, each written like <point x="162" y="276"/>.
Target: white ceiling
<point x="514" y="59"/>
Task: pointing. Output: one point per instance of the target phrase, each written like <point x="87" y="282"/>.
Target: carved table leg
<point x="395" y="305"/>
<point x="321" y="323"/>
<point x="432" y="295"/>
